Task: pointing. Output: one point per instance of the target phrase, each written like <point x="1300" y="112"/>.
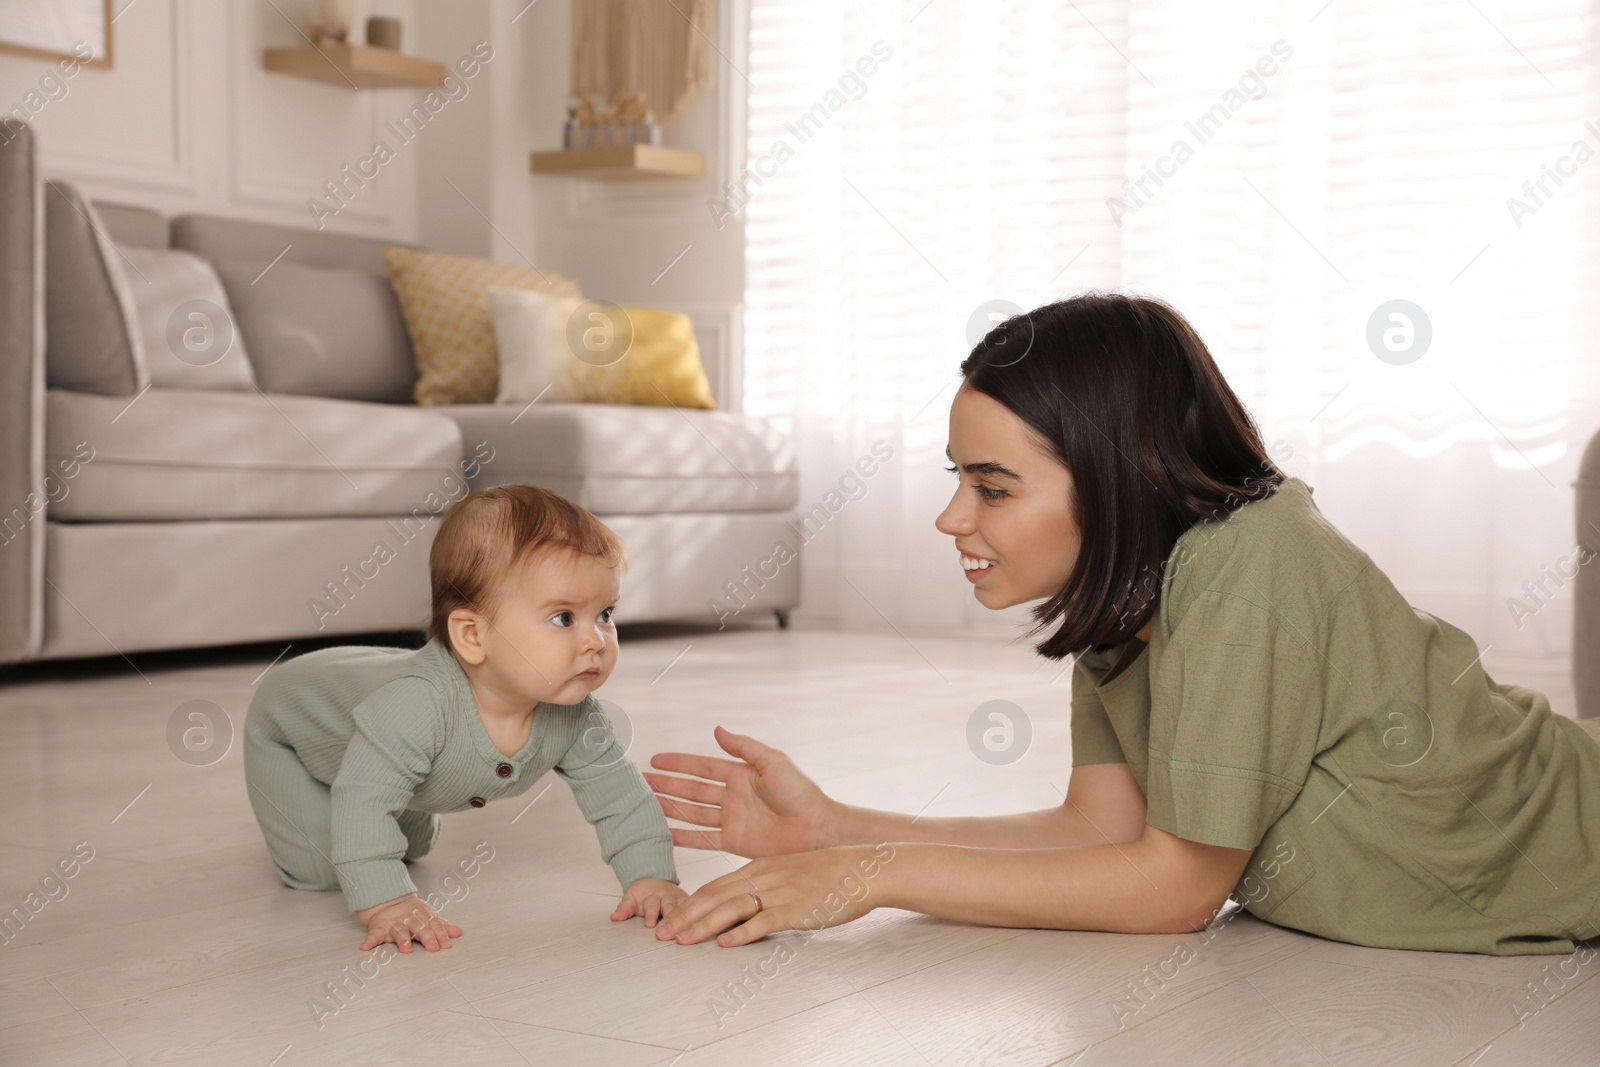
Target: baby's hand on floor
<point x="652" y="898"/>
<point x="403" y="920"/>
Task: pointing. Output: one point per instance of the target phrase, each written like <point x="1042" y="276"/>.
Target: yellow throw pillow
<point x="445" y="301"/>
<point x="557" y="349"/>
<point x="661" y="367"/>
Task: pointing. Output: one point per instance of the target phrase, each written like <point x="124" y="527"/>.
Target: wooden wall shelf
<point x="624" y="161"/>
<point x="356" y="66"/>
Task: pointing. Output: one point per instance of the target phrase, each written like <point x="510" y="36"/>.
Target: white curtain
<point x="1280" y="173"/>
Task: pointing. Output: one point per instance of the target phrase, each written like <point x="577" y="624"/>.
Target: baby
<point x="351" y="753"/>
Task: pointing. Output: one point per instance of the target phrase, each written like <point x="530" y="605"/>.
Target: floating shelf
<point x="356" y="66"/>
<point x="623" y="161"/>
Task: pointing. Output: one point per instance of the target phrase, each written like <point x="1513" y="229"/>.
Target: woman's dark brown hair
<point x="1122" y="391"/>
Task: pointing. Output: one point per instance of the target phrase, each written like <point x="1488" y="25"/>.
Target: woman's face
<point x="1013" y="508"/>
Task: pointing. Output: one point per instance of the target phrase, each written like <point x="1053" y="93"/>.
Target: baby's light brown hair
<point x="489" y="532"/>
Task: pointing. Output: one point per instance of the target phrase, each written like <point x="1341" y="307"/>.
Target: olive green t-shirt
<point x="1291" y="702"/>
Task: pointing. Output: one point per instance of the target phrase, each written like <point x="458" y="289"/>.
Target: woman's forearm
<point x="1105" y="804"/>
<point x="1138" y="887"/>
<point x="1061" y="827"/>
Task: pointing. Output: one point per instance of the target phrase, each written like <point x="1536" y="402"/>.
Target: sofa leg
<point x="783" y="618"/>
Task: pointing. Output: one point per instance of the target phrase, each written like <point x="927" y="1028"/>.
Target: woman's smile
<point x="977" y="567"/>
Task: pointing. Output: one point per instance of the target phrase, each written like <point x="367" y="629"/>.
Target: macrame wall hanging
<point x="661" y="48"/>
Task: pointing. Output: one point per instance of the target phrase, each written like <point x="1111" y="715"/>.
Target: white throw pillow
<point x="530" y="331"/>
<point x="191" y="340"/>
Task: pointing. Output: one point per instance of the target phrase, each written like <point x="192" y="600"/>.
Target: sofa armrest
<point x="1586" y="588"/>
<point x="22" y="483"/>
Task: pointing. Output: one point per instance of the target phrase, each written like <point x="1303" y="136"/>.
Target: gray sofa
<point x="303" y="506"/>
<point x="1586" y="587"/>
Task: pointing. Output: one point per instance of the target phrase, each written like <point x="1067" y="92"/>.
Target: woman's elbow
<point x="1173" y="915"/>
<point x="1193" y="916"/>
<point x="1207" y="875"/>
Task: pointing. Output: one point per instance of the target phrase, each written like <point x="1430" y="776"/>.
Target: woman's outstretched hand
<point x="758" y="803"/>
<point x="805" y="892"/>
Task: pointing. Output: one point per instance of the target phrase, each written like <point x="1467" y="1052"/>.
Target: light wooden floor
<point x="177" y="944"/>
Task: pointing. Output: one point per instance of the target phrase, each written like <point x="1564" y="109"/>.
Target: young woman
<point x="1255" y="708"/>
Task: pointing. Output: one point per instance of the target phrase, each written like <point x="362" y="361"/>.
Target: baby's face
<point x="553" y="626"/>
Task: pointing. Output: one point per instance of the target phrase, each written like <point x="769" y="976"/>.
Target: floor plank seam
<point x="478" y="1014"/>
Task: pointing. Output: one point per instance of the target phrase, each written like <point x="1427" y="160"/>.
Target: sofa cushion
<point x="619" y="459"/>
<point x="445" y="300"/>
<point x="221" y="237"/>
<point x="175" y="454"/>
<point x="558" y="349"/>
<point x="130" y="224"/>
<point x="321" y="331"/>
<point x="190" y="336"/>
<point x="661" y="366"/>
<point x="530" y="335"/>
<point x="92" y="342"/>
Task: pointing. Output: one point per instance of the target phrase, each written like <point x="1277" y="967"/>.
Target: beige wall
<point x="188" y="120"/>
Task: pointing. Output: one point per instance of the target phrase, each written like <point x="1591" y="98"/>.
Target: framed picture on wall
<point x="58" y="29"/>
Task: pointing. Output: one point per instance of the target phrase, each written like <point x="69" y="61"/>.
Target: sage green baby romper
<point x="351" y="754"/>
<point x="1291" y="702"/>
